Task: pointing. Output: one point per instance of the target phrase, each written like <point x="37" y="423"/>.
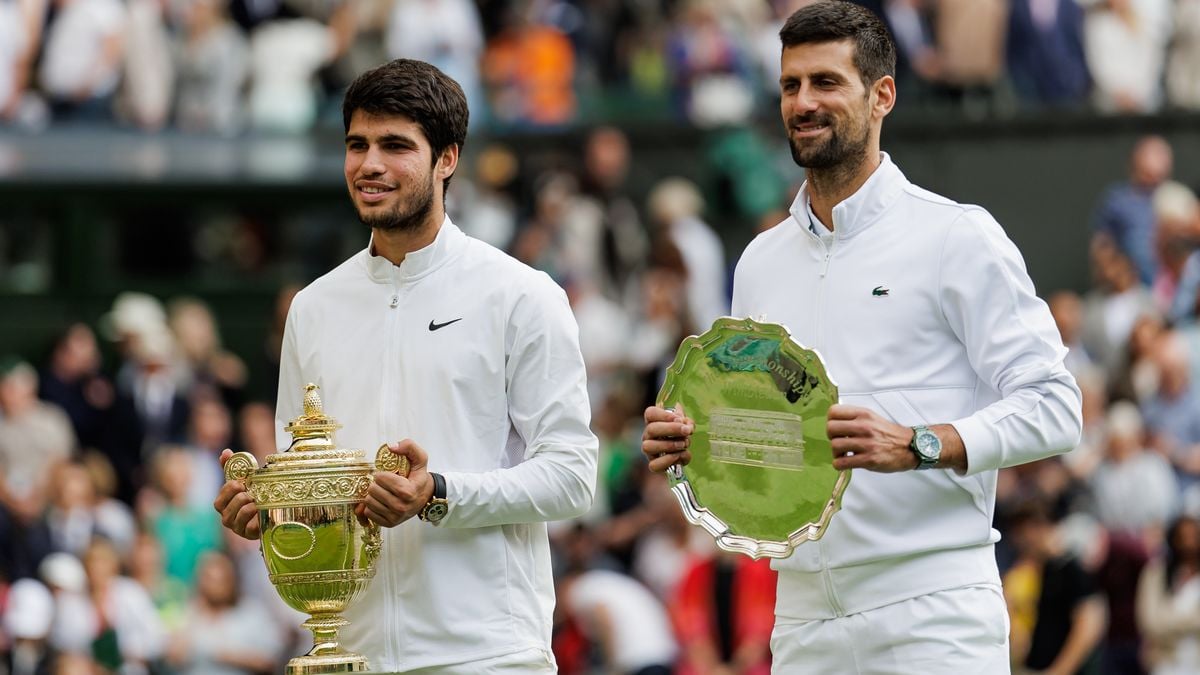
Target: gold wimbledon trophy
<point x="319" y="556"/>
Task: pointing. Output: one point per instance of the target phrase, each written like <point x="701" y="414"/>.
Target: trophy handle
<point x="241" y="466"/>
<point x="372" y="542"/>
<point x="386" y="460"/>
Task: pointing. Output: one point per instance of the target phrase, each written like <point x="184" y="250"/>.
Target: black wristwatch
<point x="437" y="506"/>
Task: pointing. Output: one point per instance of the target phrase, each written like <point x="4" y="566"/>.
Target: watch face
<point x="928" y="444"/>
<point x="436" y="511"/>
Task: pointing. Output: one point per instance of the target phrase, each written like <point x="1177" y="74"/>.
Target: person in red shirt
<point x="723" y="611"/>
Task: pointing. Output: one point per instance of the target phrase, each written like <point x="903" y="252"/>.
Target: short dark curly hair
<point x="418" y="91"/>
<point x="833" y="20"/>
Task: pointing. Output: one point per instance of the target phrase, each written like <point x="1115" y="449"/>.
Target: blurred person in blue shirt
<point x="1126" y="212"/>
<point x="1045" y="52"/>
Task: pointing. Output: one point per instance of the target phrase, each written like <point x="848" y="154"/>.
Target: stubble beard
<point x="840" y="148"/>
<point x="837" y="157"/>
<point x="400" y="218"/>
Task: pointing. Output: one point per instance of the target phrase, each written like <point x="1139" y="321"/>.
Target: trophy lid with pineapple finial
<point x="313" y="423"/>
<point x="312" y="434"/>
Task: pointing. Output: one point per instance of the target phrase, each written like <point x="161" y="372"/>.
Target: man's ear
<point x="883" y="96"/>
<point x="447" y="162"/>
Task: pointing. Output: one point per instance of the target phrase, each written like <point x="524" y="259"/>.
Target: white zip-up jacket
<point x="474" y="356"/>
<point x="923" y="311"/>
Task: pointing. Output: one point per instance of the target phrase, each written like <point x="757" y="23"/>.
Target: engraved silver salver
<point x="761" y="479"/>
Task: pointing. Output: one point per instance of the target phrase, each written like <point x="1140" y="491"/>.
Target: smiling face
<point x="832" y="117"/>
<point x="393" y="178"/>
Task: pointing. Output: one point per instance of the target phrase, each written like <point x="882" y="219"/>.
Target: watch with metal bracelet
<point x="926" y="446"/>
<point x="437" y="506"/>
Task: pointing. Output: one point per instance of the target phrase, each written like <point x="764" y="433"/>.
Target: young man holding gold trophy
<point x="948" y="364"/>
<point x="473" y="360"/>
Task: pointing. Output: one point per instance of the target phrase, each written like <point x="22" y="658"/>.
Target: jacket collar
<point x="446" y="246"/>
<point x="858" y="211"/>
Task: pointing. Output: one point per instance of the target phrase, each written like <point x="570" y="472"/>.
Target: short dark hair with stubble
<point x="418" y="91"/>
<point x="834" y="20"/>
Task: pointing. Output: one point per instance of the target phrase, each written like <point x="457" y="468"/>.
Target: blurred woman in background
<point x="1168" y="602"/>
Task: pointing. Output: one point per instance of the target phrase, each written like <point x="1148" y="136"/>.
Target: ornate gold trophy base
<point x="327" y="656"/>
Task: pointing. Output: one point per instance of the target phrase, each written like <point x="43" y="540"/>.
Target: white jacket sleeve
<point x="1013" y="345"/>
<point x="548" y="407"/>
<point x="290" y="399"/>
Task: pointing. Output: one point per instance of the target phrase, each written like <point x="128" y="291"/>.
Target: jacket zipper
<point x="394" y="647"/>
<point x="828" y="251"/>
<point x="828" y="255"/>
<point x="826" y="578"/>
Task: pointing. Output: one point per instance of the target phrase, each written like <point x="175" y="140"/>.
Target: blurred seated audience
<point x="1126" y="211"/>
<point x="1058" y="618"/>
<point x="550" y="64"/>
<point x="148" y="77"/>
<point x="1067" y="309"/>
<point x="1168" y="602"/>
<point x="626" y="623"/>
<point x="528" y="72"/>
<point x="970" y="47"/>
<point x="79" y="512"/>
<point x="1177" y="211"/>
<point x="724" y="612"/>
<point x="221" y="634"/>
<point x="1134" y="488"/>
<point x="285" y="56"/>
<point x="211" y="369"/>
<point x="73" y="626"/>
<point x="1183" y="57"/>
<point x="1045" y="50"/>
<point x="1126" y="43"/>
<point x="1170" y="412"/>
<point x="446" y="33"/>
<point x="126" y="634"/>
<point x="1113" y="306"/>
<point x="668" y="546"/>
<point x="35" y="436"/>
<point x="210" y="430"/>
<point x="73" y="381"/>
<point x="675" y="206"/>
<point x="1116" y="560"/>
<point x="169" y="594"/>
<point x="151" y="409"/>
<point x="186" y="529"/>
<point x="212" y="60"/>
<point x="1176" y="235"/>
<point x="12" y="48"/>
<point x="28" y="615"/>
<point x="710" y="68"/>
<point x="81" y="65"/>
<point x="484" y="204"/>
<point x="256" y="430"/>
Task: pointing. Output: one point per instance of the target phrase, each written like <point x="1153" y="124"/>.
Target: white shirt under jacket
<point x="923" y="311"/>
<point x="474" y="356"/>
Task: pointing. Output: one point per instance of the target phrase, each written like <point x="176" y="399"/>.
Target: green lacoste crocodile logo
<point x="879" y="291"/>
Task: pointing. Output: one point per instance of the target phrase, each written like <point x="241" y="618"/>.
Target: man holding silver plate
<point x="947" y="366"/>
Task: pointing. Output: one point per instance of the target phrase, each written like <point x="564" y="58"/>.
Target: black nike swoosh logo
<point x="434" y="326"/>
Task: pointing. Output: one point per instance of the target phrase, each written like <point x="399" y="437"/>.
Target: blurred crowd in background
<point x="113" y="559"/>
<point x="223" y="66"/>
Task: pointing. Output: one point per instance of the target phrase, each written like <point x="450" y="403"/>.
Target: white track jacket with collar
<point x="474" y="356"/>
<point x="924" y="312"/>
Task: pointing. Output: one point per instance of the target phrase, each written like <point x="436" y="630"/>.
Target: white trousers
<point x="527" y="662"/>
<point x="962" y="631"/>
